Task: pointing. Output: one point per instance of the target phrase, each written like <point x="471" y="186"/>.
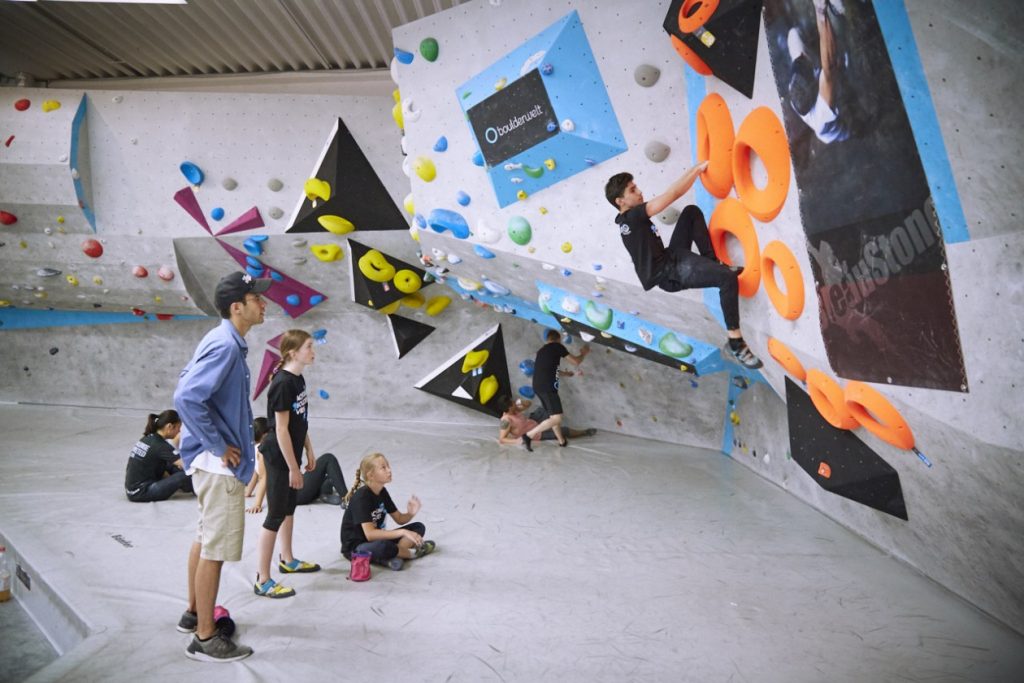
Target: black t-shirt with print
<point x="644" y="245"/>
<point x="364" y="506"/>
<point x="545" y="366"/>
<point x="287" y="393"/>
<point x="151" y="456"/>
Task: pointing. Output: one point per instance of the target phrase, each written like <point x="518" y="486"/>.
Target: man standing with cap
<point x="217" y="449"/>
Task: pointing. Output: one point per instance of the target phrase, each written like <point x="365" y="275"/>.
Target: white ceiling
<point x="53" y="42"/>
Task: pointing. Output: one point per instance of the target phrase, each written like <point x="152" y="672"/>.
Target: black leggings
<point x="162" y="489"/>
<point x="321" y="480"/>
<point x="695" y="271"/>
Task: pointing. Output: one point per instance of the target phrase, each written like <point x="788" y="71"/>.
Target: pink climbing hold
<point x="140" y="271"/>
<point x="22" y="105"/>
<point x="165" y="273"/>
<point x="8" y="218"/>
<point x="93" y="248"/>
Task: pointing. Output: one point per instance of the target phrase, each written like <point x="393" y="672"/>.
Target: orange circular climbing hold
<point x="877" y="415"/>
<point x="828" y="398"/>
<point x="695" y="13"/>
<point x="715" y="135"/>
<point x="690" y="57"/>
<point x="789" y="304"/>
<point x="730" y="217"/>
<point x="761" y="133"/>
<point x="787" y="359"/>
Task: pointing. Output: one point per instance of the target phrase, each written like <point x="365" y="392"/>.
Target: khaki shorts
<point x="221" y="527"/>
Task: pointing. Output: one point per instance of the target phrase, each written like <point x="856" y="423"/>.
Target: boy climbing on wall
<point x="677" y="267"/>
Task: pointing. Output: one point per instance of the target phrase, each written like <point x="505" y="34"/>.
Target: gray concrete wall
<point x="964" y="516"/>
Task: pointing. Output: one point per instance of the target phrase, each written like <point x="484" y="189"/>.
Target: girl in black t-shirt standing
<point x="362" y="527"/>
<point x="288" y="419"/>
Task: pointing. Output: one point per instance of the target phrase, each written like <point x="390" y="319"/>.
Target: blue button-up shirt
<point x="212" y="400"/>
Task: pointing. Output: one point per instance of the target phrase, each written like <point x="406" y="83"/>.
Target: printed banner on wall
<point x="875" y="244"/>
<point x="541" y="113"/>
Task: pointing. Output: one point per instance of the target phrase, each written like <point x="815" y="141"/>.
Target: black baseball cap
<point x="235" y="286"/>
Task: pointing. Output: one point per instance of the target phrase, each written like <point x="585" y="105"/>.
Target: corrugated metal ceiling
<point x="55" y="41"/>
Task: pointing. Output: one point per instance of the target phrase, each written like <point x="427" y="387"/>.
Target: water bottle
<point x="5" y="576"/>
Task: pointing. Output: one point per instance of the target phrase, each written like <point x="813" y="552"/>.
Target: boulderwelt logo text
<point x="492" y="134"/>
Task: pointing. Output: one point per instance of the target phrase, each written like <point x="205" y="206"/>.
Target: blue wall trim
<point x="27" y="318"/>
<point x="917" y="100"/>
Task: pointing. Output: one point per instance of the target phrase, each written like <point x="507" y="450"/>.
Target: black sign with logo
<point x="513" y="119"/>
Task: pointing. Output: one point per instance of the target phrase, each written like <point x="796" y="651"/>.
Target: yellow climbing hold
<point x="158" y="299"/>
<point x="391" y="307"/>
<point x="407" y="281"/>
<point x="502" y="82"/>
<point x="543" y="211"/>
<point x="414" y="300"/>
<point x="375" y="266"/>
<point x="97" y="280"/>
<point x="410" y="208"/>
<point x="549" y="164"/>
<point x="396" y="114"/>
<point x="317" y="189"/>
<point x="396" y="95"/>
<point x="327" y="252"/>
<point x="566" y="247"/>
<point x="437" y="304"/>
<point x="425" y="169"/>
<point x="336" y="224"/>
<point x="474" y="360"/>
<point x="521" y="195"/>
<point x="469" y="285"/>
<point x="72" y="280"/>
<point x="488" y="388"/>
<point x="60" y="219"/>
<point x="4" y="303"/>
<point x="51" y="105"/>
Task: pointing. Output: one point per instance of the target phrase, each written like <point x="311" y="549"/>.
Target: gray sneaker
<point x="395" y="564"/>
<point x="188" y="622"/>
<point x="219" y="648"/>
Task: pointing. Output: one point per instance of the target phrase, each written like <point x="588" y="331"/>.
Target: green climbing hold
<point x="519" y="230"/>
<point x="533" y="171"/>
<point x="671" y="346"/>
<point x="598" y="316"/>
<point x="542" y="302"/>
<point x="428" y="48"/>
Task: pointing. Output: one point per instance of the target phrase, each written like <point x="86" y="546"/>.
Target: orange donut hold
<point x="784" y="357"/>
<point x="690" y="20"/>
<point x="762" y="133"/>
<point x="828" y="398"/>
<point x="690" y="57"/>
<point x="878" y="416"/>
<point x="791" y="303"/>
<point x="715" y="137"/>
<point x="730" y="217"/>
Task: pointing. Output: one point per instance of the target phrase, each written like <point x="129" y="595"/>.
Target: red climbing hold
<point x="9" y="141"/>
<point x="138" y="311"/>
<point x="8" y="218"/>
<point x="93" y="248"/>
<point x="22" y="105"/>
<point x="164" y="316"/>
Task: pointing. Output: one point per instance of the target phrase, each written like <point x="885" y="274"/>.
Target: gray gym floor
<point x="613" y="559"/>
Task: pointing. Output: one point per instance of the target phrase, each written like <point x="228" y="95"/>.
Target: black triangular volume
<point x="407" y="333"/>
<point x="377" y="295"/>
<point x="593" y="335"/>
<point x="357" y="193"/>
<point x="450" y="383"/>
<point x="853" y="470"/>
<point x="736" y="26"/>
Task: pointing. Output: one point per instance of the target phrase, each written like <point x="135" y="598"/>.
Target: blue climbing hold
<point x="441" y="145"/>
<point x="552" y="126"/>
<point x="192" y="173"/>
<point x="315" y="299"/>
<point x="526" y="391"/>
<point x="324" y="395"/>
<point x="403" y="56"/>
<point x="496" y="288"/>
<point x="462" y="198"/>
<point x="293" y="300"/>
<point x="526" y="367"/>
<point x="597" y="266"/>
<point x="276" y="276"/>
<point x="259" y="238"/>
<point x="547" y="69"/>
<point x="478" y="158"/>
<point x="255" y="271"/>
<point x="319" y="334"/>
<point x="217" y="214"/>
<point x="445" y="219"/>
<point x="253" y="261"/>
<point x="482" y="251"/>
<point x="421" y="222"/>
<point x="253" y="248"/>
<point x="566" y="272"/>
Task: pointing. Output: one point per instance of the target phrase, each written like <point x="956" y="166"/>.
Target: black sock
<point x="526" y="442"/>
<point x="736" y="344"/>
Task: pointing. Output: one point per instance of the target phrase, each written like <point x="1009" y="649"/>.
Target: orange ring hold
<point x="828" y="398"/>
<point x="878" y="416"/>
<point x="791" y="303"/>
<point x="690" y="57"/>
<point x="761" y="132"/>
<point x="730" y="217"/>
<point x="689" y="21"/>
<point x="715" y="136"/>
<point x="784" y="357"/>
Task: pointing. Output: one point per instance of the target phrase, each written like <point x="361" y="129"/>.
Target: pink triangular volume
<point x="250" y="220"/>
<point x="187" y="199"/>
<point x="270" y="360"/>
<point x="284" y="288"/>
<point x="276" y="341"/>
